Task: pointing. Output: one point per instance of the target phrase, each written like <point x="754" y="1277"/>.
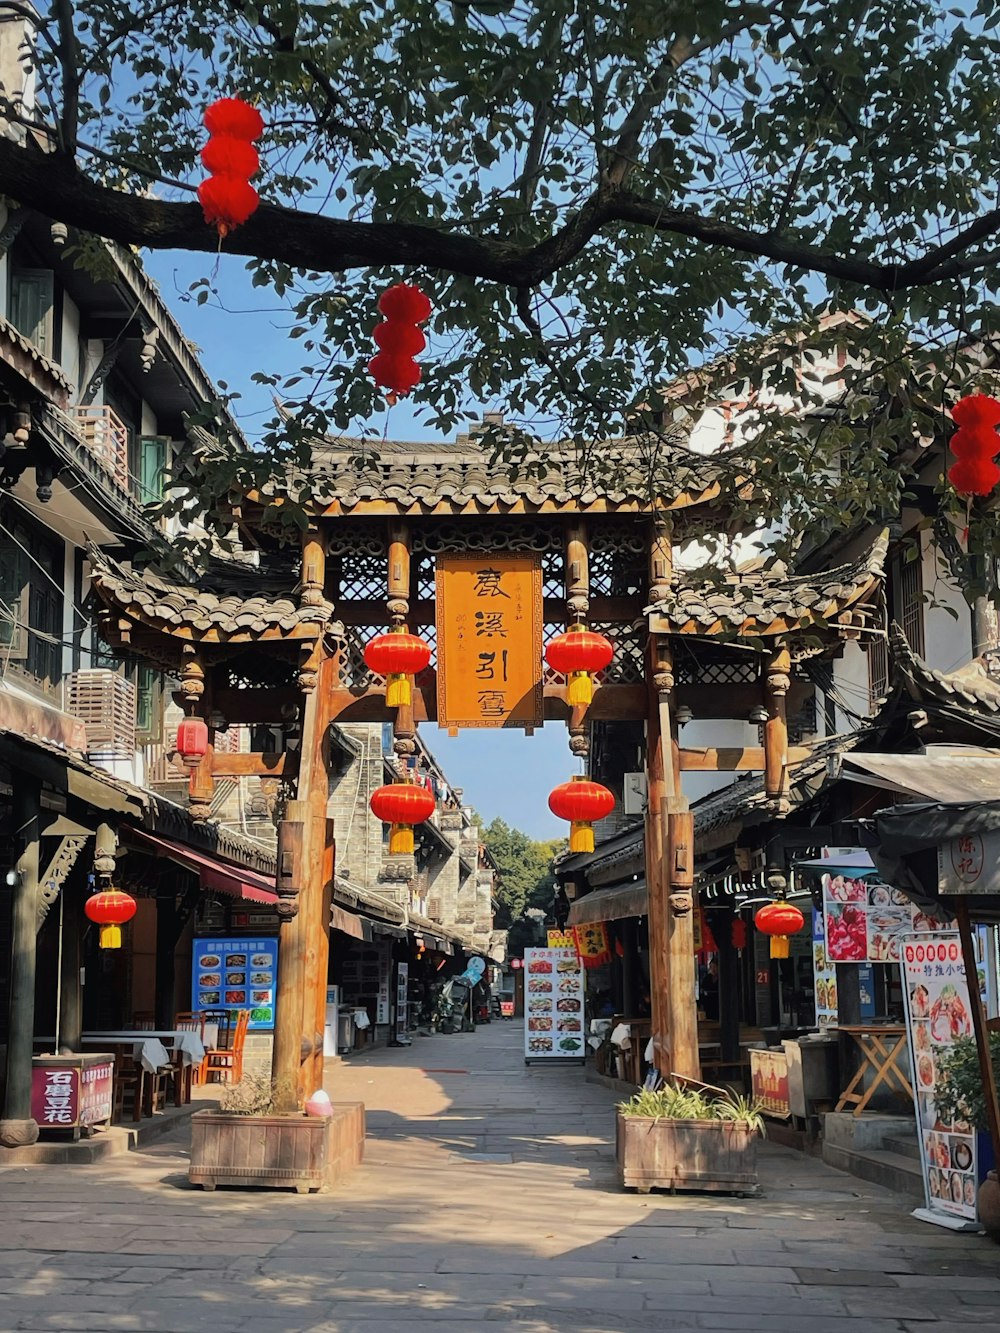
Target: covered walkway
<point x="488" y="1194"/>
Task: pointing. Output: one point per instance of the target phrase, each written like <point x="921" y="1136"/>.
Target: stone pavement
<point x="488" y="1195"/>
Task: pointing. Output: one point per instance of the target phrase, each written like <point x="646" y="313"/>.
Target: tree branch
<point x="51" y="184"/>
<point x="69" y="62"/>
<point x="625" y="153"/>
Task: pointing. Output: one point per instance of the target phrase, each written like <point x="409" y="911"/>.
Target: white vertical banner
<point x="938" y="1012"/>
<point x="553" y="1004"/>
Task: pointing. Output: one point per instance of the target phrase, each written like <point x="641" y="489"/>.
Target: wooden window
<point x="910" y="602"/>
<point x="31" y="601"/>
<point x="32" y="305"/>
<point x="153" y="455"/>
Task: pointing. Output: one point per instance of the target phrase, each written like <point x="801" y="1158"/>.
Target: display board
<point x="769" y="1082"/>
<point x="402" y="996"/>
<point x="240" y="973"/>
<point x="866" y="920"/>
<point x="824" y="974"/>
<point x="489" y="640"/>
<point x="938" y="1012"/>
<point x="553" y="1004"/>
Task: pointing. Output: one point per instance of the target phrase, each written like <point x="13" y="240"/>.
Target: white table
<point x="151" y="1047"/>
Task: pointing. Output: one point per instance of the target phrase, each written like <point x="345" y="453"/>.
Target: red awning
<point x="237" y="881"/>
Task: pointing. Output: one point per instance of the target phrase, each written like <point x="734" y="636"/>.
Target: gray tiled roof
<point x="770" y="600"/>
<point x="412" y="474"/>
<point x="970" y="687"/>
<point x="157" y="600"/>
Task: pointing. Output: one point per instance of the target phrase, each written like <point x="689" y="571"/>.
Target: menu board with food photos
<point x="938" y="1013"/>
<point x="553" y="1004"/>
<point x="236" y="974"/>
<point x="865" y="920"/>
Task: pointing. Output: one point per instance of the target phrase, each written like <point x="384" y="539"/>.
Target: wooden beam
<point x="258" y="707"/>
<point x="735" y="701"/>
<point x="708" y="759"/>
<point x="603" y="610"/>
<point x="612" y="703"/>
<point x="258" y="764"/>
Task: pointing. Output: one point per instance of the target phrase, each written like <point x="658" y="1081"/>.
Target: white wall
<point x="850" y="676"/>
<point x="148" y="426"/>
<point x="721" y="733"/>
<point x="947" y="615"/>
<point x="69" y="358"/>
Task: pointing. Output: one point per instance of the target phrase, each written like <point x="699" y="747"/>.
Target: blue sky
<point x="501" y="772"/>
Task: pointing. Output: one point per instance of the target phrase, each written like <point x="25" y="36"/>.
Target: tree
<point x="525" y="876"/>
<point x="597" y="194"/>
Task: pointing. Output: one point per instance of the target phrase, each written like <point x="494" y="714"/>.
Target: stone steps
<point x="893" y="1170"/>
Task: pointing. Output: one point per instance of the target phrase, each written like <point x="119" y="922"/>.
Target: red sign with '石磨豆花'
<point x="68" y="1096"/>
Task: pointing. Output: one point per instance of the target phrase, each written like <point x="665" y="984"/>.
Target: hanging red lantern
<point x="231" y="115"/>
<point x="227" y="198"/>
<point x="192" y="740"/>
<point x="398" y="338"/>
<point x="581" y="801"/>
<point x="397" y="656"/>
<point x="779" y="920"/>
<point x="975" y="445"/>
<point x="405" y="303"/>
<point x="401" y="805"/>
<point x="110" y="910"/>
<point x="576" y="655"/>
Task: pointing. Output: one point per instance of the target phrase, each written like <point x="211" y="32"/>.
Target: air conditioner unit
<point x="634" y="794"/>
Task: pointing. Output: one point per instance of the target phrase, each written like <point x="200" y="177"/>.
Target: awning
<point x="347" y="922"/>
<point x="948" y="777"/>
<point x="856" y="864"/>
<point x="610" y="904"/>
<point x="219" y="876"/>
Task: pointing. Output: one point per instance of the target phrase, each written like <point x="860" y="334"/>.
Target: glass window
<point x="31" y="601"/>
<point x="32" y="299"/>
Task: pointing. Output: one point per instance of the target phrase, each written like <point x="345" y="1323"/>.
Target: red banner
<point x="592" y="944"/>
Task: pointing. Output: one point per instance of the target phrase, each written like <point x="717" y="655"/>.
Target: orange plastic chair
<point x="228" y="1064"/>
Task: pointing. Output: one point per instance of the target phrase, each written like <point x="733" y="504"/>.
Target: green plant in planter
<point x="677" y="1102"/>
<point x="959" y="1094"/>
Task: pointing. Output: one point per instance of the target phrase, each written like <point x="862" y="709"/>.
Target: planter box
<point x="276" y="1151"/>
<point x="713" y="1155"/>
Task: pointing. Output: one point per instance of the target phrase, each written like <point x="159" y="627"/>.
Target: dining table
<point x="156" y="1049"/>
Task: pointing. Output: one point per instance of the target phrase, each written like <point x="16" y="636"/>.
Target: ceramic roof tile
<point x="757" y="600"/>
<point x="149" y="596"/>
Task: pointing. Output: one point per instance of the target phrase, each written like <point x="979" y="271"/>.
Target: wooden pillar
<point x="979" y="1024"/>
<point x="72" y="923"/>
<point x="630" y="948"/>
<point x="659" y="785"/>
<point x="680" y="871"/>
<point x="17" y="1128"/>
<point x="729" y="985"/>
<point x="165" y="1003"/>
<point x="777" y="678"/>
<point x="577" y="558"/>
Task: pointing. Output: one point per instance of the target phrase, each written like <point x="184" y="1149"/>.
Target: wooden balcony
<point x="106" y="436"/>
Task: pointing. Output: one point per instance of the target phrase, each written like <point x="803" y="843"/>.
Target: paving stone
<point x="433" y="1232"/>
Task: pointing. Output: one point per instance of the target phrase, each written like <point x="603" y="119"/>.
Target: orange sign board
<point x="489" y="640"/>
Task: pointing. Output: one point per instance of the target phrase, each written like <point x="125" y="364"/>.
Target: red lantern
<point x="192" y="740"/>
<point x="576" y="654"/>
<point x="399" y="339"/>
<point x="401" y="805"/>
<point x="581" y="801"/>
<point x="110" y="910"/>
<point x="227" y="201"/>
<point x="227" y="198"/>
<point x="397" y="656"/>
<point x="405" y="303"/>
<point x="231" y="115"/>
<point x="975" y="445"/>
<point x="779" y="920"/>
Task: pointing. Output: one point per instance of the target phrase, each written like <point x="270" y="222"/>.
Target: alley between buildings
<point x="489" y="1193"/>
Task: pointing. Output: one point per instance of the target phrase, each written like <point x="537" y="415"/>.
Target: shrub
<point x="677" y="1102"/>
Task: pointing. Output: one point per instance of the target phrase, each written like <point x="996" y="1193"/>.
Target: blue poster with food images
<point x="236" y="974"/>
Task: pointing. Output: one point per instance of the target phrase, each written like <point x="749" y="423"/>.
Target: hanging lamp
<point x="581" y="801"/>
<point x="577" y="654"/>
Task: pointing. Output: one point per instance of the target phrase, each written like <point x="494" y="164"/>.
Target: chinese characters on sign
<point x="69" y="1096"/>
<point x="970" y="864"/>
<point x="553" y="1004"/>
<point x="938" y="1012"/>
<point x="866" y="919"/>
<point x="489" y="634"/>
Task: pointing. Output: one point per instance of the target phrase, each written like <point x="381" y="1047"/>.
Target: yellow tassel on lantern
<point x="581" y="836"/>
<point x="111" y="937"/>
<point x="397" y="692"/>
<point x="580" y="688"/>
<point x="401" y="840"/>
<point x="779" y="946"/>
